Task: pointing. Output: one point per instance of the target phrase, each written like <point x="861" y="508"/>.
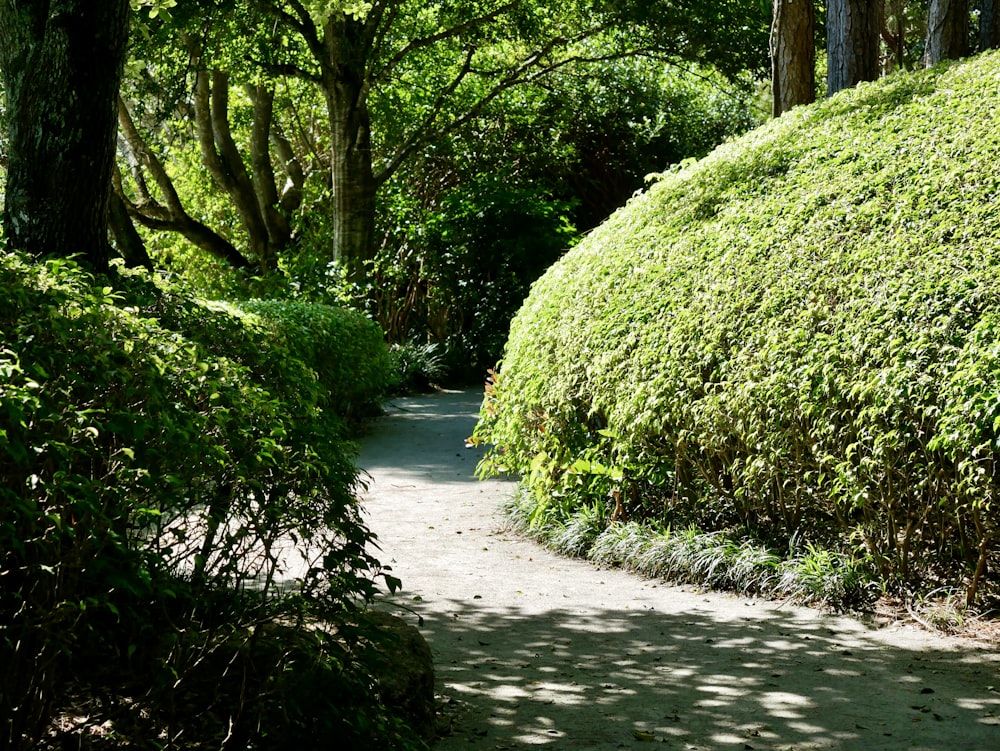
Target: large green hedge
<point x="793" y="340"/>
<point x="157" y="458"/>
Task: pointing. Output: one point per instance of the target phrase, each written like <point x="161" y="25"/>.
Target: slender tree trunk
<point x="793" y="55"/>
<point x="291" y="194"/>
<point x="947" y="31"/>
<point x="352" y="181"/>
<point x="128" y="240"/>
<point x="989" y="25"/>
<point x="262" y="168"/>
<point x="895" y="40"/>
<point x="852" y="29"/>
<point x="62" y="65"/>
<point x="224" y="162"/>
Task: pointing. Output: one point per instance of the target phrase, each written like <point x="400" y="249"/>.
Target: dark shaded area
<point x="768" y="680"/>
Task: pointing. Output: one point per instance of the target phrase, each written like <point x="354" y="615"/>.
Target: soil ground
<point x="533" y="649"/>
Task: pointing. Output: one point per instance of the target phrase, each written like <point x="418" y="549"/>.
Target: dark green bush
<point x="793" y="340"/>
<point x="346" y="351"/>
<point x="150" y="491"/>
<point x="310" y="353"/>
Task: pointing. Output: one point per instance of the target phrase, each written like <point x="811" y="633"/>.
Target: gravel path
<point x="532" y="649"/>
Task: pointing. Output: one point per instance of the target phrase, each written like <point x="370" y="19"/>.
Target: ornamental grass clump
<point x="793" y="341"/>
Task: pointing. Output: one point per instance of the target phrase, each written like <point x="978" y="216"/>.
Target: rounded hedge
<point x="794" y="339"/>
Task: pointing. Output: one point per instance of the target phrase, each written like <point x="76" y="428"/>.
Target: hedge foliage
<point x="157" y="459"/>
<point x="310" y="353"/>
<point x="793" y="340"/>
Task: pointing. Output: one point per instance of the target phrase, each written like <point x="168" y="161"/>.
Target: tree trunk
<point x="352" y="181"/>
<point x="852" y="30"/>
<point x="62" y="65"/>
<point x="947" y="31"/>
<point x="128" y="240"/>
<point x="262" y="168"/>
<point x="172" y="216"/>
<point x="224" y="162"/>
<point x="291" y="194"/>
<point x="793" y="55"/>
<point x="989" y="25"/>
<point x="895" y="41"/>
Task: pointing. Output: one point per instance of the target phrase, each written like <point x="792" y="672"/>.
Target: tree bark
<point x="345" y="88"/>
<point x="225" y="163"/>
<point x="262" y="168"/>
<point x="62" y="65"/>
<point x="128" y="240"/>
<point x="793" y="55"/>
<point x="852" y="29"/>
<point x="170" y="216"/>
<point x="947" y="31"/>
<point x="989" y="25"/>
<point x="895" y="41"/>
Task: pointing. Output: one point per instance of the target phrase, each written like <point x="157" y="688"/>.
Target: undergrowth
<point x="183" y="563"/>
<point x="707" y="559"/>
<point x="792" y="343"/>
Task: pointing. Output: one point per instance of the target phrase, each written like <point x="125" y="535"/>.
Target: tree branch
<point x="528" y="70"/>
<point x="455" y="31"/>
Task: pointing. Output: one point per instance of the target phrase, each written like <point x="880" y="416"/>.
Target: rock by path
<point x="533" y="649"/>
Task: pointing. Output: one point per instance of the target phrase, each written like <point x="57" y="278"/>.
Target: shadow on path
<point x="533" y="649"/>
<point x="423" y="438"/>
<point x="608" y="679"/>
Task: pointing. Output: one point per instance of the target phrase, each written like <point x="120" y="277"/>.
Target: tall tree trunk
<point x="262" y="168"/>
<point x="793" y="55"/>
<point x="62" y="65"/>
<point x="352" y="181"/>
<point x="989" y="25"/>
<point x="895" y="40"/>
<point x="224" y="162"/>
<point x="852" y="30"/>
<point x="947" y="31"/>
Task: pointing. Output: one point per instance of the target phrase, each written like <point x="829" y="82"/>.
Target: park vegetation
<point x="776" y="370"/>
<point x="193" y="321"/>
<point x="231" y="229"/>
<point x="178" y="499"/>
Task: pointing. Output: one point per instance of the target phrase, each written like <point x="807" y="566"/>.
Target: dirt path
<point x="532" y="649"/>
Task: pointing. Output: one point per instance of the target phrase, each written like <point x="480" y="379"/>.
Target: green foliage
<point x="482" y="213"/>
<point x="793" y="339"/>
<point x="417" y="366"/>
<point x="152" y="489"/>
<point x="345" y="350"/>
<point x="311" y="354"/>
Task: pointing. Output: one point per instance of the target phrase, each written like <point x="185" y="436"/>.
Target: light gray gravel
<point x="533" y="649"/>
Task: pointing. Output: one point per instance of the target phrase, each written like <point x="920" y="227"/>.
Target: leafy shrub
<point x="151" y="492"/>
<point x="346" y="350"/>
<point x="312" y="353"/>
<point x="417" y="366"/>
<point x="472" y="221"/>
<point x="463" y="268"/>
<point x="794" y="339"/>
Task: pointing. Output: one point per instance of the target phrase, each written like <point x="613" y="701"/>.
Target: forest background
<point x="216" y="217"/>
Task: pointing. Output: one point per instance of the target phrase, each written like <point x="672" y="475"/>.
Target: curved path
<point x="532" y="649"/>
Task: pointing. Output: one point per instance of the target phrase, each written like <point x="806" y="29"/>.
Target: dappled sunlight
<point x="533" y="649"/>
<point x="769" y="680"/>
